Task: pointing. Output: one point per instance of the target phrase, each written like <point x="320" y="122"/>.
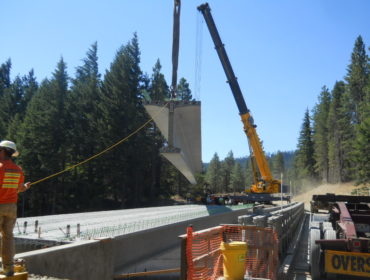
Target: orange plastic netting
<point x="205" y="260"/>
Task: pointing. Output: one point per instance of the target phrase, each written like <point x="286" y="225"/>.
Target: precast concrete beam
<point x="177" y="158"/>
<point x="160" y="114"/>
<point x="180" y="123"/>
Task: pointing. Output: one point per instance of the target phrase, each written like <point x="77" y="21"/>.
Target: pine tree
<point x="335" y="133"/>
<point x="59" y="87"/>
<point x="278" y="165"/>
<point x="347" y="132"/>
<point x="362" y="154"/>
<point x="237" y="180"/>
<point x="362" y="143"/>
<point x="227" y="166"/>
<point x="5" y="97"/>
<point x="5" y="76"/>
<point x="83" y="141"/>
<point x="305" y="162"/>
<point x="341" y="135"/>
<point x="43" y="136"/>
<point x="183" y="90"/>
<point x="320" y="135"/>
<point x="15" y="101"/>
<point x="9" y="105"/>
<point x="213" y="175"/>
<point x="122" y="113"/>
<point x="38" y="152"/>
<point x="366" y="103"/>
<point x="357" y="78"/>
<point x="159" y="90"/>
<point x="30" y="86"/>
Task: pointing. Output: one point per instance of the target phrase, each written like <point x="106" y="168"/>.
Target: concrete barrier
<point x="287" y="221"/>
<point x="99" y="259"/>
<point x="245" y="220"/>
<point x="286" y="265"/>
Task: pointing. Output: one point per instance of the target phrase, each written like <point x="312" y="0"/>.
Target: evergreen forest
<point x="334" y="140"/>
<point x="63" y="120"/>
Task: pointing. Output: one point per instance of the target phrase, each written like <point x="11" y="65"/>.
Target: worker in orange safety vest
<point x="11" y="183"/>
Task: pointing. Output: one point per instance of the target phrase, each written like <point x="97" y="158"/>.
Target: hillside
<point x="344" y="188"/>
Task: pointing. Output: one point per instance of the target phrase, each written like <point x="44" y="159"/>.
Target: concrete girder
<point x="180" y="123"/>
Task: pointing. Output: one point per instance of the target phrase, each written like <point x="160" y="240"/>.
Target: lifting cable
<point x="105" y="150"/>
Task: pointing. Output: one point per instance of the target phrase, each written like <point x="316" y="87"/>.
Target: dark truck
<point x="339" y="237"/>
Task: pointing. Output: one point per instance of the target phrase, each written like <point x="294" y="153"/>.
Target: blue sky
<point x="282" y="52"/>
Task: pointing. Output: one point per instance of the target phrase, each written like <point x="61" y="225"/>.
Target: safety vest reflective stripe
<point x="10" y="186"/>
<point x="11" y="180"/>
<point x="12" y="174"/>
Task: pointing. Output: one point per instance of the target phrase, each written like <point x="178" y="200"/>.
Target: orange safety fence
<point x="204" y="257"/>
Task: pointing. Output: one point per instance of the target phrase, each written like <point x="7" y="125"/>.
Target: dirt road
<point x="344" y="188"/>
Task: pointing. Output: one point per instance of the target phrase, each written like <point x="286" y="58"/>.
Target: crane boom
<point x="231" y="78"/>
<point x="265" y="184"/>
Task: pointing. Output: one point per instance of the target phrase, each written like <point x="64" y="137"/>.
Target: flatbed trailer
<point x="340" y="238"/>
<point x="250" y="198"/>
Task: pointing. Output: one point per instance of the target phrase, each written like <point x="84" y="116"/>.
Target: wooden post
<point x="183" y="259"/>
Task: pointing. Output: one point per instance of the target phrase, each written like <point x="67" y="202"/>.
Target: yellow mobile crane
<point x="264" y="183"/>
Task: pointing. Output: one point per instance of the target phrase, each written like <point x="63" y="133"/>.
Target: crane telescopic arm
<point x="231" y="78"/>
<point x="265" y="184"/>
<point x="175" y="45"/>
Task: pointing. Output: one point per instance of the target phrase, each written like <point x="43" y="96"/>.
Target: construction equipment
<point x="340" y="238"/>
<point x="264" y="183"/>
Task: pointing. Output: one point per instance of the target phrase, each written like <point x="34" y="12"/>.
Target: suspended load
<point x="180" y="124"/>
<point x="179" y="121"/>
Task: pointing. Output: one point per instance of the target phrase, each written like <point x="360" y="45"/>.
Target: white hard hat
<point x="9" y="145"/>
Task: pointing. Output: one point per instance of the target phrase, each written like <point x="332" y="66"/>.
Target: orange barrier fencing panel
<point x="204" y="256"/>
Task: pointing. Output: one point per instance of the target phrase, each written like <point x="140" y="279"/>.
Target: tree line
<point x="334" y="141"/>
<point x="64" y="120"/>
<point x="234" y="175"/>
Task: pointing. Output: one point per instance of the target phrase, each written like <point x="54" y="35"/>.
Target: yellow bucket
<point x="234" y="259"/>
